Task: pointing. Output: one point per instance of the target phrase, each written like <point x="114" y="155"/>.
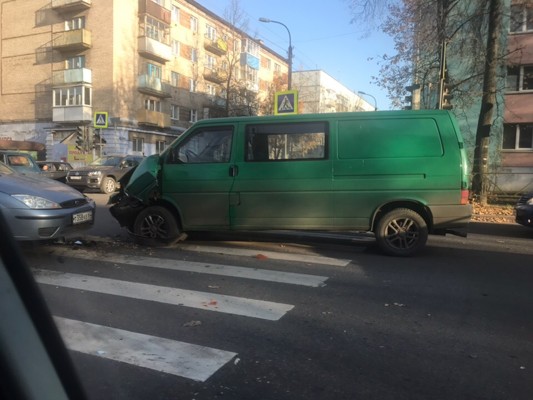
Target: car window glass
<point x="211" y="145"/>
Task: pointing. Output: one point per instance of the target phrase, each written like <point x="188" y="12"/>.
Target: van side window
<point x="208" y="145"/>
<point x="286" y="141"/>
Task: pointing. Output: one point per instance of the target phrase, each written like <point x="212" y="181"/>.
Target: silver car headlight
<point x="36" y="202"/>
<point x="95" y="173"/>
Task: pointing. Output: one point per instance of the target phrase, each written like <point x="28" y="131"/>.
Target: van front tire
<point x="401" y="232"/>
<point x="156" y="225"/>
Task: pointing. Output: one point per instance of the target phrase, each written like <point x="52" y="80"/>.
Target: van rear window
<point x="389" y="138"/>
<point x="286" y="141"/>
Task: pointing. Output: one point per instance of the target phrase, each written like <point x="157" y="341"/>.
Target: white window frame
<point x="137" y="144"/>
<point x="194" y="24"/>
<point x="193" y="116"/>
<point x="75" y="23"/>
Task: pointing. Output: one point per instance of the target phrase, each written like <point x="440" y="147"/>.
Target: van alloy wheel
<point x="401" y="232"/>
<point x="156" y="223"/>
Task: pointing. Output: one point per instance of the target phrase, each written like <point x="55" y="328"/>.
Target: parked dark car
<point x="37" y="208"/>
<point x="57" y="170"/>
<point x="524" y="210"/>
<point x="103" y="173"/>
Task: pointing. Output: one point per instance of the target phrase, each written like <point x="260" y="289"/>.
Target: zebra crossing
<point x="186" y="360"/>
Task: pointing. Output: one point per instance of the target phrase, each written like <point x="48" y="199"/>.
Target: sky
<point x="322" y="38"/>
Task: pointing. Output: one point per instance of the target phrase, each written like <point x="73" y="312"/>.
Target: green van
<point x="398" y="174"/>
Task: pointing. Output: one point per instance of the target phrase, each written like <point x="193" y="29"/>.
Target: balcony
<point x="154" y="50"/>
<point x="153" y="86"/>
<point x="71" y="5"/>
<point x="213" y="75"/>
<point x="155" y="10"/>
<point x="218" y="46"/>
<point x="153" y="118"/>
<point x="72" y="114"/>
<point x="68" y="76"/>
<point x="75" y="40"/>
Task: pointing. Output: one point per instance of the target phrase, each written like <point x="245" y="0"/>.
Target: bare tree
<point x="472" y="32"/>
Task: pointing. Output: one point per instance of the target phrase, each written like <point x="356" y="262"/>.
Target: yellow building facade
<point x="154" y="66"/>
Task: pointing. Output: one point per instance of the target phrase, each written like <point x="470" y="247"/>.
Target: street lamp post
<point x="375" y="101"/>
<point x="289" y="83"/>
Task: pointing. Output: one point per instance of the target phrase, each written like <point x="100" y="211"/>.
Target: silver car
<point x="41" y="208"/>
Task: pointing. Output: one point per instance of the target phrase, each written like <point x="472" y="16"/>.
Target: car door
<point x="197" y="176"/>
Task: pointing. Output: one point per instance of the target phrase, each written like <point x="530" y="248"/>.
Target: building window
<point x="285" y="141"/>
<point x="192" y="85"/>
<point x="517" y="137"/>
<point x="137" y="145"/>
<point x="194" y="55"/>
<point x="210" y="61"/>
<point x="152" y="105"/>
<point x="76" y="62"/>
<point x="160" y="145"/>
<point x="75" y="23"/>
<point x="156" y="30"/>
<point x="193" y="116"/>
<point x="153" y="70"/>
<point x="210" y="32"/>
<point x="211" y="89"/>
<point x="174" y="78"/>
<point x="72" y="96"/>
<point x="175" y="14"/>
<point x="520" y="78"/>
<point x="194" y="24"/>
<point x="277" y="68"/>
<point x="521" y="18"/>
<point x="174" y="112"/>
<point x="175" y="48"/>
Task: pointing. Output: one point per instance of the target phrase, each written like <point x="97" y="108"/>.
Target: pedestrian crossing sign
<point x="286" y="102"/>
<point x="100" y="119"/>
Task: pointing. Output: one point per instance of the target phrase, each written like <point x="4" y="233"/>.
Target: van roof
<point x="322" y="116"/>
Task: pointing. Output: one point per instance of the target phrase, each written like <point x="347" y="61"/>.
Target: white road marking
<point x="337" y="262"/>
<point x="187" y="298"/>
<point x="169" y="356"/>
<point x="203" y="268"/>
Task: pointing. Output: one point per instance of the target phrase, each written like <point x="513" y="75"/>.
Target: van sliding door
<point x="284" y="179"/>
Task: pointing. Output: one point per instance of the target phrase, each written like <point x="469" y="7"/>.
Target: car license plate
<point x="82" y="217"/>
<point x="75" y="178"/>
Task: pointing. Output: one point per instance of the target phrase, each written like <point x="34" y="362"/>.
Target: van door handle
<point x="233" y="171"/>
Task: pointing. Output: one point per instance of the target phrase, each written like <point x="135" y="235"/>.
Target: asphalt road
<point x="278" y="317"/>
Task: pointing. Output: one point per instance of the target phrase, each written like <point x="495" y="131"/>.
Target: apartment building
<point x="516" y="171"/>
<point x="319" y="92"/>
<point x="153" y="67"/>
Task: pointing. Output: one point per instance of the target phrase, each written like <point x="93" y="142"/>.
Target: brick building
<point x="154" y="66"/>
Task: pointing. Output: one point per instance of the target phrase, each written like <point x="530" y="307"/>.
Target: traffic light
<point x="80" y="140"/>
<point x="447" y="97"/>
<point x="98" y="140"/>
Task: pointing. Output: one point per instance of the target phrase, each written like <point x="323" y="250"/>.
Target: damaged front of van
<point x="140" y="195"/>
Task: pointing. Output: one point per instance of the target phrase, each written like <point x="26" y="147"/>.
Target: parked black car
<point x="103" y="173"/>
<point x="524" y="210"/>
<point x="57" y="170"/>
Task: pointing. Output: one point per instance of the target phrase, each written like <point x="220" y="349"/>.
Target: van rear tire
<point x="156" y="225"/>
<point x="401" y="232"/>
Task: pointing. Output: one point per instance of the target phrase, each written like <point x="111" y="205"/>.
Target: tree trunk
<point x="488" y="103"/>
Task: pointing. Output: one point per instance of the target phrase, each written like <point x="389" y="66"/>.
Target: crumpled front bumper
<point x="125" y="209"/>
